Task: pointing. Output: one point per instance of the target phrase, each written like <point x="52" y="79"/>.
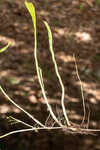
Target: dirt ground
<point x="76" y="30"/>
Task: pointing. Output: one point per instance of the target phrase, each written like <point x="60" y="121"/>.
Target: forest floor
<point x="76" y="30"/>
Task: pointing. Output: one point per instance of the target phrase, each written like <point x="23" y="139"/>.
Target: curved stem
<point x="57" y="72"/>
<point x="28" y="114"/>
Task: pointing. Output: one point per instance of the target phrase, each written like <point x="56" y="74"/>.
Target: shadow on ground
<point x="76" y="30"/>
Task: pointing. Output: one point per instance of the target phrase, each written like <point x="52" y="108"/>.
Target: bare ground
<point x="76" y="30"/>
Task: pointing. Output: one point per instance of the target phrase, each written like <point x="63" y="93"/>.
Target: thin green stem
<point x="31" y="10"/>
<point x="56" y="70"/>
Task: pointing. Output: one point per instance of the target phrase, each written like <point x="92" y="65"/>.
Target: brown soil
<point x="76" y="30"/>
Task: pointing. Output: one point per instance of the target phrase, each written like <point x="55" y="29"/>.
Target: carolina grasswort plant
<point x="68" y="126"/>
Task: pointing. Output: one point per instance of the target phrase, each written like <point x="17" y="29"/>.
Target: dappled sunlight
<point x="93" y="123"/>
<point x="75" y="30"/>
<point x="75" y="116"/>
<point x="14" y="43"/>
<point x="5" y="40"/>
<point x="44" y="13"/>
<point x="51" y="101"/>
<point x="83" y="37"/>
<point x="59" y="32"/>
<point x="90" y="89"/>
<point x="4" y="73"/>
<point x="71" y="99"/>
<point x="25" y="50"/>
<point x="63" y="57"/>
<point x="4" y="108"/>
<point x="33" y="99"/>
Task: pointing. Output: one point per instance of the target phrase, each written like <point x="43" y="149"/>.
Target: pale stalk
<point x="28" y="114"/>
<point x="81" y="86"/>
<point x="57" y="72"/>
<point x="31" y="10"/>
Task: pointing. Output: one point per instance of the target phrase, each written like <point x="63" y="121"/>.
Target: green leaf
<point x="31" y="10"/>
<point x="5" y="48"/>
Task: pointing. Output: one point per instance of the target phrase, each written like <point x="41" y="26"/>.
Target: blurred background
<point x="75" y="25"/>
